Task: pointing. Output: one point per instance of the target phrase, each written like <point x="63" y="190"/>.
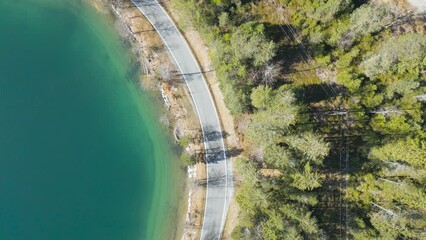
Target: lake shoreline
<point x="85" y="137"/>
<point x="178" y="116"/>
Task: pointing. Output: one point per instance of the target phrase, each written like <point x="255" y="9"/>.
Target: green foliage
<point x="370" y="97"/>
<point x="224" y="20"/>
<point x="287" y="154"/>
<point x="398" y="226"/>
<point x="370" y="18"/>
<point x="262" y="97"/>
<point x="328" y="10"/>
<point x="411" y="151"/>
<point x="377" y="74"/>
<point x="223" y="2"/>
<point x="248" y="43"/>
<point x="187" y="160"/>
<point x="401" y="87"/>
<point x="346" y="60"/>
<point x="277" y="157"/>
<point x="246" y="47"/>
<point x="403" y="55"/>
<point x="236" y="99"/>
<point x="307" y="180"/>
<point x="394" y="124"/>
<point x="349" y="80"/>
<point x="183" y="141"/>
<point x="398" y="207"/>
<point x="250" y="196"/>
<point x="309" y="145"/>
<point x="311" y="13"/>
<point x="268" y="125"/>
<point x="307" y="223"/>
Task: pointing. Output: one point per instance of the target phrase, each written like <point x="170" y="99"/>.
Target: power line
<point x="301" y="57"/>
<point x="308" y="55"/>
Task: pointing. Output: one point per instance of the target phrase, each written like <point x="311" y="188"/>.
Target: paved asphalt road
<point x="219" y="169"/>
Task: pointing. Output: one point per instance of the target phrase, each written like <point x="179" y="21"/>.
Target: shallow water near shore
<point x="82" y="155"/>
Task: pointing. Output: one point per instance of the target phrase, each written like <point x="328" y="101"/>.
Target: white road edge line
<point x="199" y="117"/>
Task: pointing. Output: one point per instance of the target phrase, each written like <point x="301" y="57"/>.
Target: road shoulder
<point x="201" y="52"/>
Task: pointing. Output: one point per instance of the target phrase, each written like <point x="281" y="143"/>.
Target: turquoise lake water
<point x="82" y="155"/>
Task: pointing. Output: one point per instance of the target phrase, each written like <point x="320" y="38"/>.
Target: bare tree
<point x="268" y="74"/>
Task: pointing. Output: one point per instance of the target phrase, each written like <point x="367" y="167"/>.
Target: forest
<point x="334" y="94"/>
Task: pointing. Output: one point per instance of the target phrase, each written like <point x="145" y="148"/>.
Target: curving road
<point x="219" y="169"/>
